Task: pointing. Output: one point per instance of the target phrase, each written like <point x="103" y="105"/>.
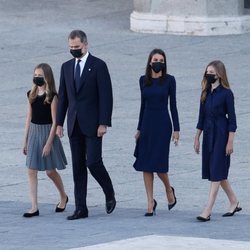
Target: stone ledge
<point x="192" y="25"/>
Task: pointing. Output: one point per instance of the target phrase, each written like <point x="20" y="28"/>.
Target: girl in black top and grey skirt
<point x="42" y="146"/>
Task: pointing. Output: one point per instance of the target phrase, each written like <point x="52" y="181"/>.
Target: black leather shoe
<point x="170" y="206"/>
<point x="110" y="206"/>
<point x="237" y="209"/>
<point x="28" y="215"/>
<point x="78" y="214"/>
<point x="58" y="209"/>
<point x="154" y="208"/>
<point x="203" y="219"/>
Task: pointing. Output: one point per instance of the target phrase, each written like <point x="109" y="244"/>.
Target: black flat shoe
<point x="154" y="208"/>
<point x="237" y="209"/>
<point x="78" y="214"/>
<point x="58" y="209"/>
<point x="203" y="219"/>
<point x="149" y="214"/>
<point x="29" y="215"/>
<point x="170" y="206"/>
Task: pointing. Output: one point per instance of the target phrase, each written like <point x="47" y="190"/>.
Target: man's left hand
<point x="102" y="129"/>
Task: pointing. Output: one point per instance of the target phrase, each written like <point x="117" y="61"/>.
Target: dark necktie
<point x="78" y="75"/>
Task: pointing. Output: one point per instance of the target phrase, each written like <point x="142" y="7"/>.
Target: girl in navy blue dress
<point x="154" y="129"/>
<point x="42" y="146"/>
<point x="217" y="120"/>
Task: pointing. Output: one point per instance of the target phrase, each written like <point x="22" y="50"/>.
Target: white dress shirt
<point x="83" y="61"/>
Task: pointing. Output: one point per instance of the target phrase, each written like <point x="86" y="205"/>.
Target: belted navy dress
<point x="155" y="126"/>
<point x="216" y="118"/>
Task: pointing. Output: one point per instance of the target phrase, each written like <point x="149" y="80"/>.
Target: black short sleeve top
<point x="41" y="112"/>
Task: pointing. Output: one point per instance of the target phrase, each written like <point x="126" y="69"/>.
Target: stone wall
<point x="190" y="17"/>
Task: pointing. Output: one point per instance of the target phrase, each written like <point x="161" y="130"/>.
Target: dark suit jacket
<point x="92" y="104"/>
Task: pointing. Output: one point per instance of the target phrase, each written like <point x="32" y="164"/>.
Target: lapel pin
<point x="89" y="69"/>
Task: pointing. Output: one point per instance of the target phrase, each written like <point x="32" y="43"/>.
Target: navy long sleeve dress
<point x="155" y="126"/>
<point x="216" y="118"/>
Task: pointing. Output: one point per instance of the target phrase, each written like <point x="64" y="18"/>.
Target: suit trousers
<point x="86" y="153"/>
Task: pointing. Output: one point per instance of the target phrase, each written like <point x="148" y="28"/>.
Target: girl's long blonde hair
<point x="50" y="86"/>
<point x="222" y="75"/>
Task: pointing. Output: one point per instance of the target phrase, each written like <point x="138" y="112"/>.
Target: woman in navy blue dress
<point x="154" y="129"/>
<point x="217" y="120"/>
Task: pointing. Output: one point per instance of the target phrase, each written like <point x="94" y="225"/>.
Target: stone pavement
<point x="169" y="242"/>
<point x="36" y="31"/>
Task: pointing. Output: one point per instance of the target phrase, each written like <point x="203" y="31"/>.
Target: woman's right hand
<point x="137" y="135"/>
<point x="197" y="145"/>
<point x="25" y="148"/>
<point x="59" y="131"/>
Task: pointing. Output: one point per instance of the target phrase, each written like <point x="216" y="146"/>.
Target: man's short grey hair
<point x="80" y="34"/>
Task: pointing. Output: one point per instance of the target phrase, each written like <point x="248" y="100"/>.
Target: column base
<point x="192" y="25"/>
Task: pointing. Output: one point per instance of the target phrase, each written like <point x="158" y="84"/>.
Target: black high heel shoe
<point x="170" y="206"/>
<point x="237" y="209"/>
<point x="154" y="208"/>
<point x="58" y="209"/>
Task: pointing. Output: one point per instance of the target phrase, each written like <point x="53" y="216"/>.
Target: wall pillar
<point x="190" y="17"/>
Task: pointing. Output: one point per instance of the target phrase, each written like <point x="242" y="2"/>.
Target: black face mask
<point x="210" y="78"/>
<point x="157" y="66"/>
<point x="77" y="53"/>
<point x="39" y="80"/>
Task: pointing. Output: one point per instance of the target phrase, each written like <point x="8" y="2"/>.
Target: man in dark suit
<point x="85" y="92"/>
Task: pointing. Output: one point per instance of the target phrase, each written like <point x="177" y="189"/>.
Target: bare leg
<point x="214" y="188"/>
<point x="148" y="181"/>
<point x="56" y="178"/>
<point x="164" y="178"/>
<point x="32" y="176"/>
<point x="230" y="194"/>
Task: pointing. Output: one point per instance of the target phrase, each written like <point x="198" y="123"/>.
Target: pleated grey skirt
<point x="37" y="138"/>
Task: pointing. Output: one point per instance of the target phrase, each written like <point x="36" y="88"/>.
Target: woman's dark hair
<point x="148" y="73"/>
